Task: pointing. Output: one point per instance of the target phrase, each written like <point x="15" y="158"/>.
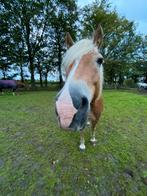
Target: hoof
<point x="88" y="123"/>
<point x="93" y="140"/>
<point x="93" y="144"/>
<point x="82" y="147"/>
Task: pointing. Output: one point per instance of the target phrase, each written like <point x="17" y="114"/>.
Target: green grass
<point x="39" y="159"/>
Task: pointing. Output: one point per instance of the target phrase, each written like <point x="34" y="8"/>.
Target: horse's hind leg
<point x="1" y="92"/>
<point x="96" y="109"/>
<point x="13" y="92"/>
<point x="82" y="141"/>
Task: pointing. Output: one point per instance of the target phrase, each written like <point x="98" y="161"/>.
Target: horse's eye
<point x="99" y="61"/>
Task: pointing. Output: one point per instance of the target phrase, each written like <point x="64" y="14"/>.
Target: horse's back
<point x="5" y="84"/>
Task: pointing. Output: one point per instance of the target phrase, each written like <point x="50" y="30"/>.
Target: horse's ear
<point x="98" y="36"/>
<point x="68" y="40"/>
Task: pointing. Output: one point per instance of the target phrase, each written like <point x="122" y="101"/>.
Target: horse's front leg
<point x="93" y="140"/>
<point x="96" y="110"/>
<point x="82" y="141"/>
<point x="93" y="130"/>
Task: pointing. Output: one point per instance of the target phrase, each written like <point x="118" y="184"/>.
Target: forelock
<point x="79" y="49"/>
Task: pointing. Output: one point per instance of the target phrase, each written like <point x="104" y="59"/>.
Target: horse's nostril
<point x="56" y="111"/>
<point x="56" y="98"/>
<point x="84" y="102"/>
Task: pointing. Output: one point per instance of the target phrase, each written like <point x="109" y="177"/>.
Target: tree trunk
<point x="59" y="60"/>
<point x="21" y="73"/>
<point x="135" y="78"/>
<point x="40" y="75"/>
<point x="145" y="78"/>
<point x="4" y="75"/>
<point x="115" y="82"/>
<point x="60" y="75"/>
<point x="30" y="51"/>
<point x="121" y="79"/>
<point x="32" y="73"/>
<point x="111" y="78"/>
<point x="46" y="74"/>
<point x="39" y="67"/>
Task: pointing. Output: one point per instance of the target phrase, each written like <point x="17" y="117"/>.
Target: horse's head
<point x="20" y="84"/>
<point x="82" y="65"/>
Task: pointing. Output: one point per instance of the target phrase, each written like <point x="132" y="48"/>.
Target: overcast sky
<point x="135" y="10"/>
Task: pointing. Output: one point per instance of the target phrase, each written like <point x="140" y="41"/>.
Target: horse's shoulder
<point x="97" y="105"/>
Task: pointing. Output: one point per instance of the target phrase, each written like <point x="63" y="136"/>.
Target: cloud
<point x="135" y="10"/>
<point x="86" y="2"/>
<point x="142" y="27"/>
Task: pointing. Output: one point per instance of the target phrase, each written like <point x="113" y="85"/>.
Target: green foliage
<point x="32" y="34"/>
<point x="38" y="158"/>
<point x="122" y="47"/>
<point x="63" y="19"/>
<point x="35" y="31"/>
<point x="129" y="83"/>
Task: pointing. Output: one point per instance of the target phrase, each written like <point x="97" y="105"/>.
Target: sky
<point x="135" y="10"/>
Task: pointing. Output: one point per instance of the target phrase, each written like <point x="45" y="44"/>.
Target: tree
<point x="18" y="51"/>
<point x="30" y="18"/>
<point x="63" y="19"/>
<point x="34" y="25"/>
<point x="144" y="59"/>
<point x="43" y="65"/>
<point x="121" y="43"/>
<point x="4" y="44"/>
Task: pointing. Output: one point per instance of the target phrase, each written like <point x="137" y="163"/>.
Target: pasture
<point x="37" y="158"/>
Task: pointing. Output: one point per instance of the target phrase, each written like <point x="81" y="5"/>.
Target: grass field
<point x="38" y="159"/>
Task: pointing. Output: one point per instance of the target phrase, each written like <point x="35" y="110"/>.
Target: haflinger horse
<point x="80" y="99"/>
<point x="11" y="84"/>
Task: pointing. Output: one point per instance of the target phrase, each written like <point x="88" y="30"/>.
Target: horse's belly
<point x="6" y="85"/>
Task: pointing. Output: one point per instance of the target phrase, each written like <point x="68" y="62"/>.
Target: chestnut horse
<point x="80" y="99"/>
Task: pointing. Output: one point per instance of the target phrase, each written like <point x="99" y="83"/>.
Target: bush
<point x="129" y="83"/>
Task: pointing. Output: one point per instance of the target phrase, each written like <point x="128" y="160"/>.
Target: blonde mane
<point x="79" y="49"/>
<point x="75" y="52"/>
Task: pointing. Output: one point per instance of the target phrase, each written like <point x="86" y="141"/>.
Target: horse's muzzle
<point x="80" y="118"/>
<point x="73" y="115"/>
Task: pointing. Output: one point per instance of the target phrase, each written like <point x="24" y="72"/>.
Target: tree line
<point x="32" y="35"/>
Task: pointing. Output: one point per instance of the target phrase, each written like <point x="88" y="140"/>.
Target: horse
<point x="11" y="84"/>
<point x="80" y="100"/>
